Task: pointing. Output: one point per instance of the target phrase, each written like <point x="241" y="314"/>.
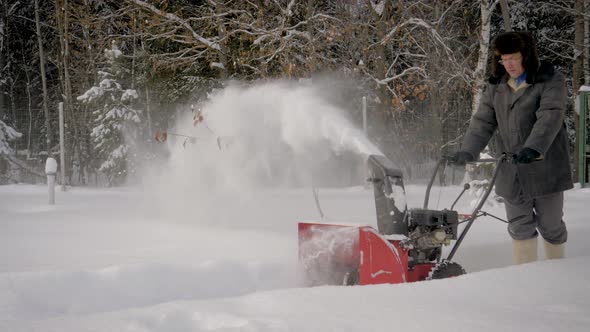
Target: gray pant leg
<point x="543" y="213"/>
<point x="548" y="215"/>
<point x="521" y="218"/>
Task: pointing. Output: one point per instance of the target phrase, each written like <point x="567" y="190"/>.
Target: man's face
<point x="512" y="63"/>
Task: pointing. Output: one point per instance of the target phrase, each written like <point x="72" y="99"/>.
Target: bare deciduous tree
<point x="48" y="131"/>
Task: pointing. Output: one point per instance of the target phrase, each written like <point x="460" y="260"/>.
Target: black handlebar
<point x="450" y="160"/>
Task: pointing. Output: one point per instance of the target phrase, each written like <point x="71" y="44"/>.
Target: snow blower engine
<point x="406" y="247"/>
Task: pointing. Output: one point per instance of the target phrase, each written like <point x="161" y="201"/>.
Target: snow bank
<point x="544" y="296"/>
<point x="40" y="295"/>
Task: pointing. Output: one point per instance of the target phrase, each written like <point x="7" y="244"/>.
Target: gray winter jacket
<point x="531" y="117"/>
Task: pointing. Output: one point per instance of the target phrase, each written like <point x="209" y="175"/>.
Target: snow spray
<point x="265" y="136"/>
<point x="269" y="134"/>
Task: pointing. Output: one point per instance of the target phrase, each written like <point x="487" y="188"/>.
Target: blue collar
<point x="520" y="79"/>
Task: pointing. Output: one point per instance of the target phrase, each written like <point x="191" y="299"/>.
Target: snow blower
<point x="407" y="246"/>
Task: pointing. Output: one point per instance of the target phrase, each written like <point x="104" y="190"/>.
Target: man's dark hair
<point x="513" y="42"/>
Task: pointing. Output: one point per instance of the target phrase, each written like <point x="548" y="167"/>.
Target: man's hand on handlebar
<point x="526" y="156"/>
<point x="461" y="158"/>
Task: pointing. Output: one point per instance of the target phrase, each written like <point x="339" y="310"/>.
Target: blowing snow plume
<point x="264" y="136"/>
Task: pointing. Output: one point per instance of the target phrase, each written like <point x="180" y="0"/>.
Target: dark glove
<point x="526" y="156"/>
<point x="461" y="158"/>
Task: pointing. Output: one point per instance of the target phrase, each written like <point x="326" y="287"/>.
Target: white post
<point x="62" y="153"/>
<point x="50" y="171"/>
<point x="365" y="115"/>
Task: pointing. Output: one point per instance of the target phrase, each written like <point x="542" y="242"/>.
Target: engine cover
<point x="433" y="219"/>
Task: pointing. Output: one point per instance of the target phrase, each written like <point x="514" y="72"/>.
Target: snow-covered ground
<point x="111" y="260"/>
<point x="205" y="245"/>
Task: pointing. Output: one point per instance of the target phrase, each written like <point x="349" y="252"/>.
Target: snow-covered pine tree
<point x="7" y="134"/>
<point x="116" y="121"/>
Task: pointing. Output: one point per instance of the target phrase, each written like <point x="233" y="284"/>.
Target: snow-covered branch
<point x="7" y="134"/>
<point x="560" y="42"/>
<point x="400" y="75"/>
<point x="176" y="19"/>
<point x="419" y="23"/>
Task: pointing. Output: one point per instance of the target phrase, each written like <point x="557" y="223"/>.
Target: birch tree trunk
<point x="219" y="8"/>
<point x="486" y="8"/>
<point x="48" y="131"/>
<point x="381" y="64"/>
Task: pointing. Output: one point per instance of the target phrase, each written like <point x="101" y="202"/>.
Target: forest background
<point x="125" y="70"/>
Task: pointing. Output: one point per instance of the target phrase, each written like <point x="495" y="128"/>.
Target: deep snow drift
<point x="98" y="262"/>
<point x="209" y="243"/>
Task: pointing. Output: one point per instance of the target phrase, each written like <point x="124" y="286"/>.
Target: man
<point x="525" y="101"/>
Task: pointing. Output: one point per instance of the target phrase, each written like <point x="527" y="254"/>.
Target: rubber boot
<point x="554" y="251"/>
<point x="524" y="251"/>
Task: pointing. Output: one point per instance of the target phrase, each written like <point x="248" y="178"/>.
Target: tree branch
<point x="178" y="20"/>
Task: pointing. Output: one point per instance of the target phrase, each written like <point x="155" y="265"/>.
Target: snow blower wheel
<point x="446" y="270"/>
<point x="351" y="278"/>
